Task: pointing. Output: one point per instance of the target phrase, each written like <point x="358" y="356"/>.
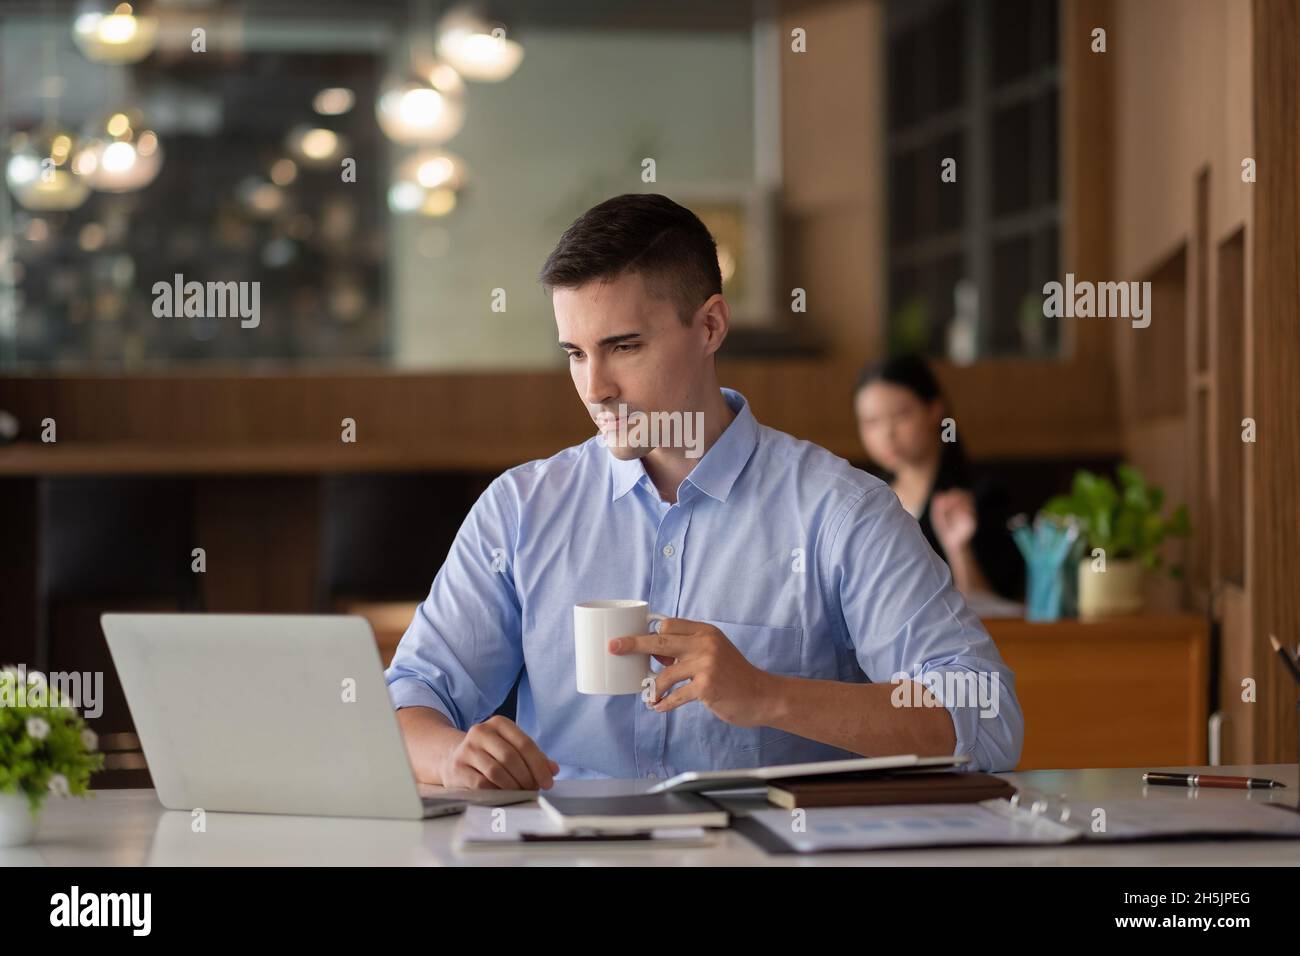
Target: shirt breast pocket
<point x="776" y="650"/>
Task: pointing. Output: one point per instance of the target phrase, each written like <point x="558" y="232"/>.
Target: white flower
<point x="37" y="678"/>
<point x="37" y="728"/>
<point x="58" y="785"/>
<point x="88" y="739"/>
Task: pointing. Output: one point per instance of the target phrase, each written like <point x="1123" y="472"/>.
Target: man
<point x="807" y="617"/>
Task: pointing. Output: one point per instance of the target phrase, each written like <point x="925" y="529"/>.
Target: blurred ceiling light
<point x="413" y="110"/>
<point x="439" y="202"/>
<point x="110" y="32"/>
<point x="476" y="48"/>
<point x="279" y="252"/>
<point x="284" y="171"/>
<point x="44" y="172"/>
<point x="426" y="182"/>
<point x="405" y="197"/>
<point x="434" y="168"/>
<point x="120" y="154"/>
<point x="92" y="236"/>
<point x="334" y="101"/>
<point x="315" y="146"/>
<point x="262" y="199"/>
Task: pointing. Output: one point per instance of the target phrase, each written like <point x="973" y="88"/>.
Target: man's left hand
<point x="717" y="674"/>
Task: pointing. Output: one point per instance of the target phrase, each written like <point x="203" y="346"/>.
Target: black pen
<point x="1209" y="780"/>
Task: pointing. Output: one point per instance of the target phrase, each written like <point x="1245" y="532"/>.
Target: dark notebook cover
<point x="893" y="788"/>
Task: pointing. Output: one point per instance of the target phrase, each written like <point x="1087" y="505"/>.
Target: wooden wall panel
<point x="1275" y="566"/>
<point x="290" y="422"/>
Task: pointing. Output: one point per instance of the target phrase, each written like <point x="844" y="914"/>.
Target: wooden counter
<point x="1117" y="692"/>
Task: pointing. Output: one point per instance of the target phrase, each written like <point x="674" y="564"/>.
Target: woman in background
<point x="900" y="411"/>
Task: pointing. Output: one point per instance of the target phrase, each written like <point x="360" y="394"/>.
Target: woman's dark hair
<point x="912" y="373"/>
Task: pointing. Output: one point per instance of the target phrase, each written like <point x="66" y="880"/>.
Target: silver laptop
<point x="258" y="713"/>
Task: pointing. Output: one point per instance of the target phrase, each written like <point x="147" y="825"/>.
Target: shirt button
<point x="668" y="551"/>
<point x="651" y="776"/>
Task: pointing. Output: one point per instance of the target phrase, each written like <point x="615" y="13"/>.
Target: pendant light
<point x="109" y="31"/>
<point x="476" y="46"/>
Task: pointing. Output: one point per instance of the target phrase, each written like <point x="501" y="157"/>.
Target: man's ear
<point x="715" y="318"/>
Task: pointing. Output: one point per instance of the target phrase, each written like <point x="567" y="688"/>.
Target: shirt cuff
<point x="989" y="731"/>
<point x="965" y="724"/>
<point x="413" y="692"/>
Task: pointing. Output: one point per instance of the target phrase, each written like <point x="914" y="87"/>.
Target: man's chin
<point x="625" y="452"/>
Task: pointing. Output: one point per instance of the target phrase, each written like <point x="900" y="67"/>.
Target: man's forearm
<point x="429" y="739"/>
<point x="861" y="718"/>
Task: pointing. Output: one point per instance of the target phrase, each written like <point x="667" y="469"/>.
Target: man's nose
<point x="600" y="387"/>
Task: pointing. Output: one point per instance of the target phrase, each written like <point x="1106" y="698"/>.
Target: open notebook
<point x="1028" y="819"/>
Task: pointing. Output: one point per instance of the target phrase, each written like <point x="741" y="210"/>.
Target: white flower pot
<point x="1117" y="590"/>
<point x="17" y="825"/>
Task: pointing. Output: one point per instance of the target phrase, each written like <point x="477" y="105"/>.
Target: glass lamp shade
<point x="422" y="111"/>
<point x="427" y="183"/>
<point x="108" y="31"/>
<point x="477" y="49"/>
<point x="43" y="170"/>
<point x="121" y="154"/>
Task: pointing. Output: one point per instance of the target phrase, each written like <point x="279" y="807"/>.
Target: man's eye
<point x="575" y="355"/>
<point x="625" y="346"/>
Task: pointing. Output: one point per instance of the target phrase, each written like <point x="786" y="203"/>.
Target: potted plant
<point x="45" y="747"/>
<point x="1124" y="528"/>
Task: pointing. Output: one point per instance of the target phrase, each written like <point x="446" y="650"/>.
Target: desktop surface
<point x="130" y="828"/>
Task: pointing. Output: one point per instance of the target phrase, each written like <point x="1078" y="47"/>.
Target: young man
<point x="808" y="619"/>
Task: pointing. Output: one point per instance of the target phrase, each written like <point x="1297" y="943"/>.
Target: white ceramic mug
<point x="595" y="624"/>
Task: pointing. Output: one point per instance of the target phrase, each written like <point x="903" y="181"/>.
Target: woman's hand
<point x="952" y="515"/>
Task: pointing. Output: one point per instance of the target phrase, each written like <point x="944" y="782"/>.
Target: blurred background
<point x="393" y="174"/>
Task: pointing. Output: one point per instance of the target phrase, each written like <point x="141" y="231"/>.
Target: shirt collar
<point x="716" y="472"/>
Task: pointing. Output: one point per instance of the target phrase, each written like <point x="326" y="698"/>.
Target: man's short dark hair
<point x="664" y="243"/>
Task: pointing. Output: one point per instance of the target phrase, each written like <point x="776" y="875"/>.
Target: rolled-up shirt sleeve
<point x="907" y="620"/>
<point x="463" y="651"/>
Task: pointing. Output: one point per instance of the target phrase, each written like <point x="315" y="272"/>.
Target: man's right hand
<point x="497" y="755"/>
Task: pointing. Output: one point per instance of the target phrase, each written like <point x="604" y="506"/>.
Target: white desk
<point x="130" y="828"/>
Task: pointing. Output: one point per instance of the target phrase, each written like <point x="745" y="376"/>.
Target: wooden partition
<point x="1274" y="532"/>
<point x="1116" y="692"/>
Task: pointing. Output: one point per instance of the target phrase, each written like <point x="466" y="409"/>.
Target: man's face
<point x="629" y="352"/>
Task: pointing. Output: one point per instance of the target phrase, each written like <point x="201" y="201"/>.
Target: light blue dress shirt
<point x="809" y="566"/>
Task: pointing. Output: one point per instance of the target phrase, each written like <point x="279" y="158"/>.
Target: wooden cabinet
<point x="1117" y="692"/>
